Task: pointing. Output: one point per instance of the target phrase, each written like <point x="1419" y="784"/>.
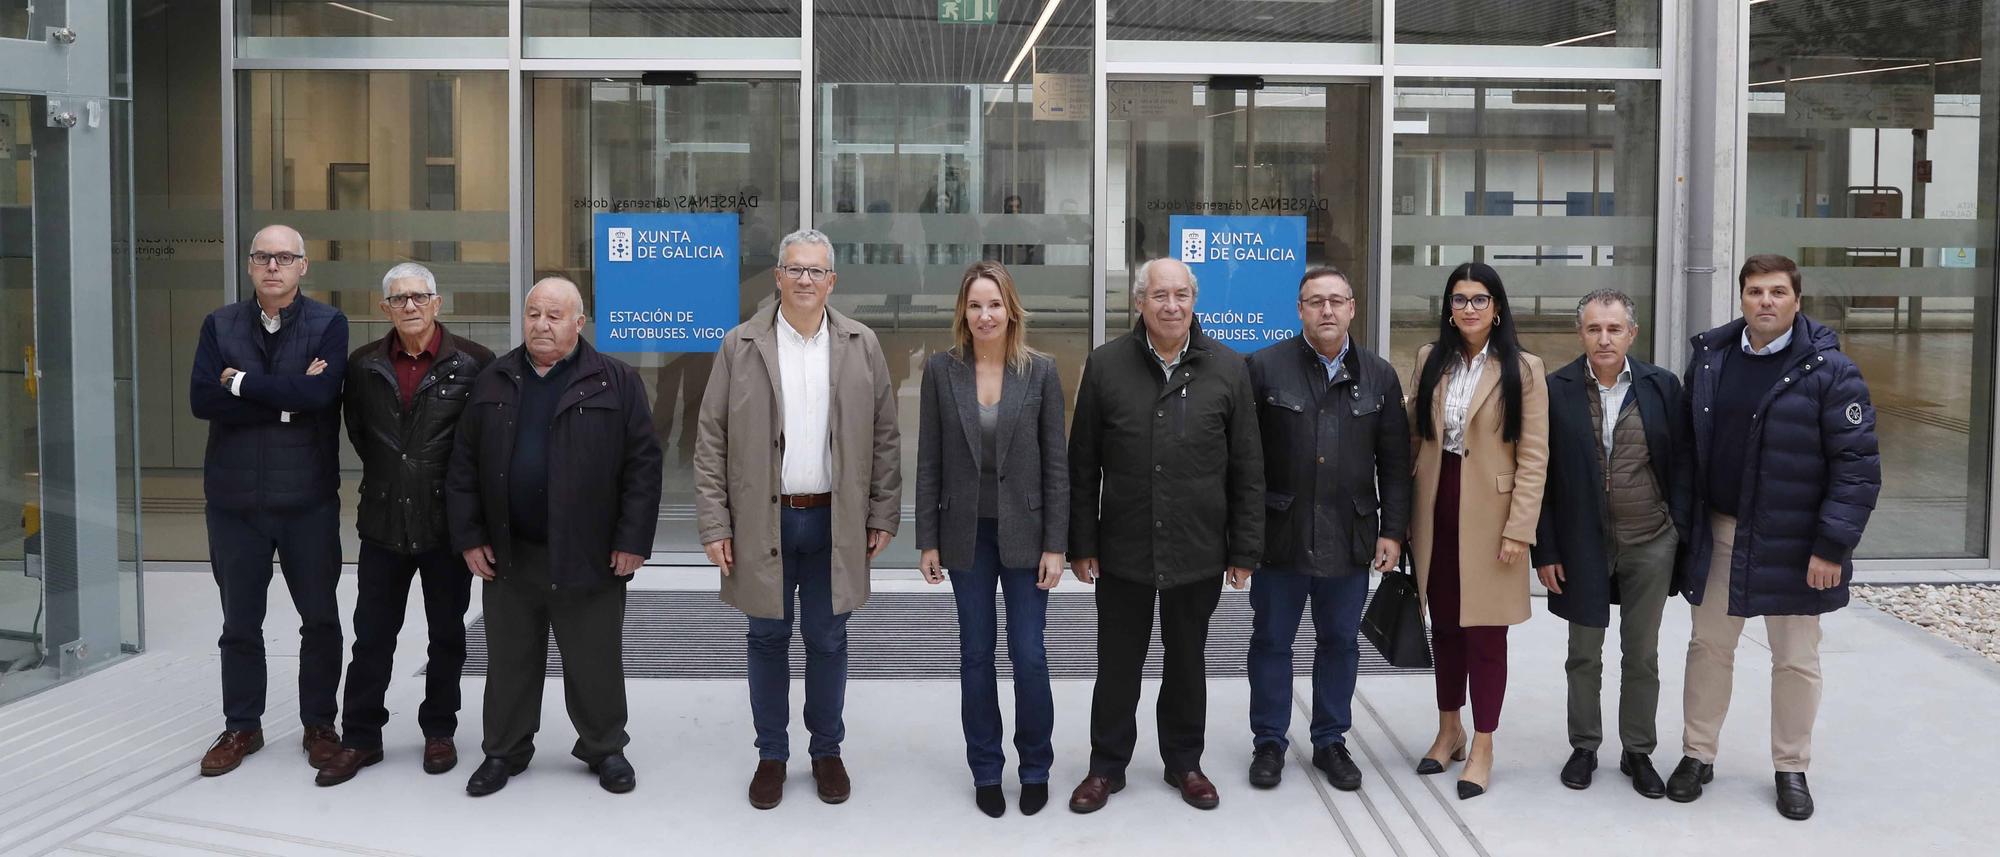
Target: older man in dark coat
<point x="1613" y="512"/>
<point x="1166" y="498"/>
<point x="553" y="496"/>
<point x="1786" y="473"/>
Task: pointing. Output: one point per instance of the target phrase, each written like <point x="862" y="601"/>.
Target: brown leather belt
<point x="804" y="501"/>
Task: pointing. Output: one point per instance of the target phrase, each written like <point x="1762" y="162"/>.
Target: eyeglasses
<point x="1320" y="304"/>
<point x="1478" y="302"/>
<point x="800" y="272"/>
<point x="403" y="300"/>
<point x="284" y="260"/>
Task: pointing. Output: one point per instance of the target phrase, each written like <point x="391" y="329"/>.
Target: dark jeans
<point x="978" y="681"/>
<point x="1278" y="598"/>
<point x="1124" y="632"/>
<point x="522" y="607"/>
<point x="1464" y="656"/>
<point x="807" y="537"/>
<point x="307" y="542"/>
<point x="384" y="584"/>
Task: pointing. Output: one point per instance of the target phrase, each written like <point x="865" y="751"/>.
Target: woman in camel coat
<point x="1481" y="419"/>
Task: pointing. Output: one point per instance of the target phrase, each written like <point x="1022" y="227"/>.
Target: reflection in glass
<point x="662" y="18"/>
<point x="360" y="163"/>
<point x="365" y="18"/>
<point x="23" y="613"/>
<point x="1872" y="147"/>
<point x="1243" y="21"/>
<point x="1553" y="183"/>
<point x="1544" y="23"/>
<point x="926" y="161"/>
<point x="1285" y="150"/>
<point x="623" y="147"/>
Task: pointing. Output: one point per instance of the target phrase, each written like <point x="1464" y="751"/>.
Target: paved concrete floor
<point x="88" y="769"/>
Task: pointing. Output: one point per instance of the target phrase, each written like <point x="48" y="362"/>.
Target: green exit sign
<point x="968" y="11"/>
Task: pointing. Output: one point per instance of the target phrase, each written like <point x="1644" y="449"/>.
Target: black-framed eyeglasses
<point x="284" y="260"/>
<point x="1478" y="302"/>
<point x="1320" y="304"/>
<point x="408" y="298"/>
<point x="801" y="272"/>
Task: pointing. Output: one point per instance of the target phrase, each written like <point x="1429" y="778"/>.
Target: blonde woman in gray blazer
<point x="993" y="507"/>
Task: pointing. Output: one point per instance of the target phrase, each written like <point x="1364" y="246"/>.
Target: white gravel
<point x="1966" y="615"/>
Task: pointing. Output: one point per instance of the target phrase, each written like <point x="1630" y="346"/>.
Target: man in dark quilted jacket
<point x="267" y="377"/>
<point x="1786" y="474"/>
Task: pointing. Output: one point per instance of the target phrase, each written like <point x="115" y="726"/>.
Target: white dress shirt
<point x="1168" y="366"/>
<point x="1783" y="342"/>
<point x="1460" y="384"/>
<point x="1612" y="400"/>
<point x="805" y="376"/>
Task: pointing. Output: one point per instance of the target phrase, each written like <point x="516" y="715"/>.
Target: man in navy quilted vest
<point x="267" y="379"/>
<point x="1786" y="474"/>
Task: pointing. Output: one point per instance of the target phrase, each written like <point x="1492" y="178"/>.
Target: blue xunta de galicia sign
<point x="665" y="282"/>
<point x="1249" y="270"/>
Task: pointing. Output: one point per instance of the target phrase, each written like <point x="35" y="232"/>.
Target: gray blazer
<point x="1033" y="465"/>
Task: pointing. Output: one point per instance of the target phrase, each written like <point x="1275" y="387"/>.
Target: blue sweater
<point x="255" y="458"/>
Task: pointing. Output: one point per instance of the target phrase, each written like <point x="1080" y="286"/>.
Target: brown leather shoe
<point x="1094" y="792"/>
<point x="320" y="742"/>
<point x="344" y="765"/>
<point x="440" y="755"/>
<point x="229" y="749"/>
<point x="767" y="787"/>
<point x="830" y="774"/>
<point x="1195" y="789"/>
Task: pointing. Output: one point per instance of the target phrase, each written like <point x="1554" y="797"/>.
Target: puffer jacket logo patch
<point x="1854" y="413"/>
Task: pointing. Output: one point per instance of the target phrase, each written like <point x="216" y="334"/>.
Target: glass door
<point x="23" y="607"/>
<point x="615" y="145"/>
<point x="1288" y="150"/>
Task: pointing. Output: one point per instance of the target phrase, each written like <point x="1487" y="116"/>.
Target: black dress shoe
<point x="1645" y="780"/>
<point x="1267" y="766"/>
<point x="990" y="800"/>
<point x="615" y="774"/>
<point x="1689" y="776"/>
<point x="1794" y="799"/>
<point x="1468" y="790"/>
<point x="492" y="776"/>
<point x="1338" y="766"/>
<point x="1576" y="772"/>
<point x="1034" y="796"/>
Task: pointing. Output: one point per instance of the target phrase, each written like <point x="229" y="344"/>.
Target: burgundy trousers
<point x="1464" y="656"/>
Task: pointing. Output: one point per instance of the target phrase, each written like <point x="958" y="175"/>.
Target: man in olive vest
<point x="1612" y="515"/>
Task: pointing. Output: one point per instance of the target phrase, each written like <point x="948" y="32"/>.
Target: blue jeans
<point x="978" y="682"/>
<point x="807" y="545"/>
<point x="1279" y="599"/>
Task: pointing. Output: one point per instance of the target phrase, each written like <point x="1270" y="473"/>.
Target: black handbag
<point x="1394" y="622"/>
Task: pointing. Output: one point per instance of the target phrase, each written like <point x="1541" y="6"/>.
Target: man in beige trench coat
<point x="797" y="487"/>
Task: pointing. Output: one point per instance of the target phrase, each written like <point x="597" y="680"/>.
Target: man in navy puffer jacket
<point x="1786" y="474"/>
<point x="267" y="377"/>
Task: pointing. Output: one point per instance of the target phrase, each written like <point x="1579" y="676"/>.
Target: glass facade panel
<point x="661" y="19"/>
<point x="377" y="168"/>
<point x="1286" y="150"/>
<point x="1872" y="147"/>
<point x="926" y="161"/>
<point x="1553" y="183"/>
<point x="23" y="613"/>
<point x="365" y="19"/>
<point x="718" y="146"/>
<point x="1246" y="21"/>
<point x="1518" y="32"/>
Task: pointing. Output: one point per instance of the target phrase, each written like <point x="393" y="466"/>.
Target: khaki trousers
<point x="1711" y="665"/>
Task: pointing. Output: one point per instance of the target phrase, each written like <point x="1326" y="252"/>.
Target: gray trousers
<point x="1642" y="574"/>
<point x="521" y="609"/>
